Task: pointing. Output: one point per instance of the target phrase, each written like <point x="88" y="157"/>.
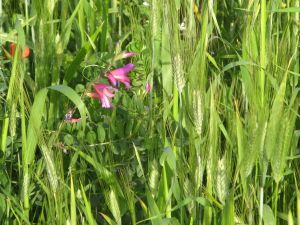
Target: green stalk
<point x="298" y="207"/>
<point x="54" y="103"/>
<point x="175" y="102"/>
<point x="166" y="194"/>
<point x="276" y="201"/>
<point x="9" y="100"/>
<point x="25" y="188"/>
<point x="24" y="144"/>
<point x="1" y="14"/>
<point x="261" y="204"/>
<point x="120" y="18"/>
<point x="26" y="16"/>
<point x="104" y="9"/>
<point x="4" y="132"/>
<point x="114" y="24"/>
<point x="295" y="40"/>
<point x="263" y="20"/>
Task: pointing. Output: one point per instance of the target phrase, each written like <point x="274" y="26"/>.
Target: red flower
<point x="102" y="93"/>
<point x="120" y="74"/>
<point x="25" y="53"/>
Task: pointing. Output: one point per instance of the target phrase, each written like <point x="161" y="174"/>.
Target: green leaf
<point x="87" y="209"/>
<point x="80" y="88"/>
<point x="168" y="155"/>
<point x="108" y="219"/>
<point x="166" y="66"/>
<point x="91" y="137"/>
<point x="155" y="215"/>
<point x="75" y="64"/>
<point x="114" y="206"/>
<point x="102" y="172"/>
<point x="237" y="64"/>
<point x="34" y="124"/>
<point x="68" y="139"/>
<point x="62" y="44"/>
<point x="275" y="116"/>
<point x="228" y="211"/>
<point x="268" y="216"/>
<point x="100" y="133"/>
<point x="200" y="200"/>
<point x="287" y="10"/>
<point x="72" y="203"/>
<point x="2" y="205"/>
<point x="75" y="98"/>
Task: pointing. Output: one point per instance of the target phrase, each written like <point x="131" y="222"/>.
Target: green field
<point x="149" y="112"/>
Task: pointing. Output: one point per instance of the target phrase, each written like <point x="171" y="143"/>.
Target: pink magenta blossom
<point x="148" y="87"/>
<point x="103" y="94"/>
<point x="121" y="75"/>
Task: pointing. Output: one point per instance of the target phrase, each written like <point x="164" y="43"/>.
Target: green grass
<point x="216" y="141"/>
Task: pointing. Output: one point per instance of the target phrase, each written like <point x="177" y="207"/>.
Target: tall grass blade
<point x="72" y="203"/>
<point x="87" y="209"/>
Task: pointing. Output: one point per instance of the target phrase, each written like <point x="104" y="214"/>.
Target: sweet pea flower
<point x="127" y="54"/>
<point x="103" y="94"/>
<point x="124" y="55"/>
<point x="121" y="75"/>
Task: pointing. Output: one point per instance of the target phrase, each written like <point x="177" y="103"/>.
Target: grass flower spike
<point x="121" y="75"/>
<point x="103" y="94"/>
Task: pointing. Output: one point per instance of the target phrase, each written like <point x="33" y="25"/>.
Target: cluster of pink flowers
<point x="105" y="92"/>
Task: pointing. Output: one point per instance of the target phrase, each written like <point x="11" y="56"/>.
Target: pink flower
<point x="124" y="55"/>
<point x="127" y="54"/>
<point x="120" y="74"/>
<point x="148" y="87"/>
<point x="102" y="93"/>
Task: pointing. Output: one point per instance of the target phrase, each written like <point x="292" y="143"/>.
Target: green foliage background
<point x="216" y="141"/>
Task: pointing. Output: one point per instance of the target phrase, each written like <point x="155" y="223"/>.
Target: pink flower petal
<point x="112" y="80"/>
<point x="101" y="86"/>
<point x="107" y="93"/>
<point x="102" y="93"/>
<point x="148" y="87"/>
<point x="105" y="102"/>
<point x="121" y="75"/>
<point x="127" y="85"/>
<point x="127" y="54"/>
<point x="123" y="70"/>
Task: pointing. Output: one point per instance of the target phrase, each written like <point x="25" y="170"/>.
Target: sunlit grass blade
<point x="72" y="203"/>
<point x="87" y="208"/>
